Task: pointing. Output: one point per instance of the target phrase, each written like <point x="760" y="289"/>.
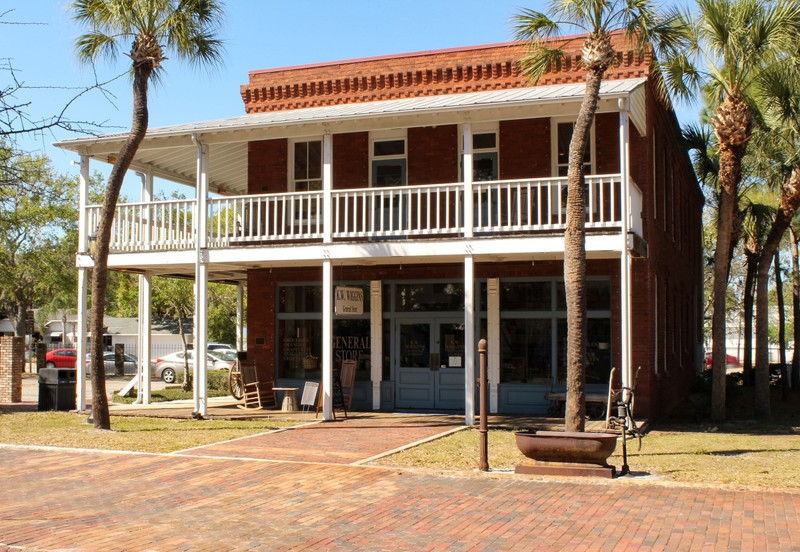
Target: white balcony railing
<point x="499" y="207"/>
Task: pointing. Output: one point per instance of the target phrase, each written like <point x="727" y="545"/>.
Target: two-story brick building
<point x="427" y="192"/>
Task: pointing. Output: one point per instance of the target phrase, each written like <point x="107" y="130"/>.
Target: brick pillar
<point x="12" y="362"/>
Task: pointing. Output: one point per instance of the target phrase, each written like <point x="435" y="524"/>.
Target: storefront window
<point x="526" y="351"/>
<point x="429" y="297"/>
<point x="530" y="296"/>
<point x="299" y="334"/>
<point x="598" y="295"/>
<point x="528" y="320"/>
<point x="598" y="351"/>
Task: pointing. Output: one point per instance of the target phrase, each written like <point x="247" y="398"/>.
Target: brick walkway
<point x="91" y="501"/>
<point x="339" y="442"/>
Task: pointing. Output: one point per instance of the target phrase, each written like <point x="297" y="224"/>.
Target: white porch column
<point x="493" y="338"/>
<point x="83" y="284"/>
<point x="469" y="200"/>
<point x="327" y="339"/>
<point x="201" y="285"/>
<point x="240" y="316"/>
<point x="469" y="340"/>
<point x="144" y="339"/>
<point x="625" y="312"/>
<point x="376" y="341"/>
<point x="145" y="299"/>
<point x="327" y="187"/>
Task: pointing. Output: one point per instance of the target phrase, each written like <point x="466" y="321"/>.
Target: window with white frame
<point x="306" y="174"/>
<point x="485" y="153"/>
<point x="388" y="161"/>
<point x="561" y="138"/>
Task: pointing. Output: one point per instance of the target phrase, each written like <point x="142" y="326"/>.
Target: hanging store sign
<point x="348" y="301"/>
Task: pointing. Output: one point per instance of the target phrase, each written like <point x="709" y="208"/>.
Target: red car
<point x="729" y="359"/>
<point x="61" y="358"/>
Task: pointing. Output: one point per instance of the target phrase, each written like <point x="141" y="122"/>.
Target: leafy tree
<point x="37" y="237"/>
<point x="186" y="28"/>
<point x="222" y="313"/>
<point x="174" y="298"/>
<point x="643" y="27"/>
<point x="733" y="42"/>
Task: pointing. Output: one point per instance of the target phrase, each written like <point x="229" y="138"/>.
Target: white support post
<point x="144" y="342"/>
<point x="145" y="300"/>
<point x="240" y="316"/>
<point x="376" y="341"/>
<point x="493" y="335"/>
<point x="327" y="340"/>
<point x="624" y="169"/>
<point x="327" y="187"/>
<point x="469" y="340"/>
<point x="80" y="346"/>
<point x="83" y="285"/>
<point x="201" y="286"/>
<point x="469" y="211"/>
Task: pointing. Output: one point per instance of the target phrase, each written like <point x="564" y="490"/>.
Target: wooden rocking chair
<point x="250" y="386"/>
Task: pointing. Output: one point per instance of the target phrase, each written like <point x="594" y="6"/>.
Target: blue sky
<point x="259" y="34"/>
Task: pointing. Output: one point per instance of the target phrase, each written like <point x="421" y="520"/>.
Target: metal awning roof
<point x="170" y="152"/>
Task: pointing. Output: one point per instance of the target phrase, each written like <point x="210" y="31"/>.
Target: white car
<point x="168" y="367"/>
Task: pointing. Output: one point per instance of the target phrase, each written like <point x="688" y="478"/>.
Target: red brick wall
<point x="267" y="166"/>
<point x="351" y="160"/>
<point x="433" y="155"/>
<point x="411" y="75"/>
<point x="525" y="148"/>
<point x="606" y="145"/>
<point x="261" y="305"/>
<point x="12" y="362"/>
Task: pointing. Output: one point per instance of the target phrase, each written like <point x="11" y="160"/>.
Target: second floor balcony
<point x="434" y="211"/>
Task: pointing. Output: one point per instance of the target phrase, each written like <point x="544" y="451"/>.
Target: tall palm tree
<point x="779" y="89"/>
<point x="643" y="27"/>
<point x="733" y="42"/>
<point x="152" y="28"/>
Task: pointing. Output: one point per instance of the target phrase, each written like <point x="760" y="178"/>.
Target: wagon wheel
<point x="235" y="381"/>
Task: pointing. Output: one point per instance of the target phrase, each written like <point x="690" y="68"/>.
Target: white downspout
<point x="201" y="284"/>
<point x="624" y="169"/>
<point x="83" y="284"/>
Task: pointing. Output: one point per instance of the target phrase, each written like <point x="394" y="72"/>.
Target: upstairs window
<point x="484" y="156"/>
<point x="307" y="171"/>
<point x="563" y="135"/>
<point x="389" y="162"/>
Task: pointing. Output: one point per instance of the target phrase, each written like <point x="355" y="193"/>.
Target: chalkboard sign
<point x="338" y="394"/>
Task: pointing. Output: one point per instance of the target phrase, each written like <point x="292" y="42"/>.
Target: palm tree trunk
<point x="795" y="310"/>
<point x="727" y="201"/>
<point x="781" y="327"/>
<point x="790" y="201"/>
<point x="142" y="73"/>
<point x="749" y="292"/>
<point x="575" y="259"/>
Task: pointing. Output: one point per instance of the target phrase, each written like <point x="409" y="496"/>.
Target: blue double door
<point x="430" y="363"/>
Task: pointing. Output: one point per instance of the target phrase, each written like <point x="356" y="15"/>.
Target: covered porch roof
<point x="171" y="152"/>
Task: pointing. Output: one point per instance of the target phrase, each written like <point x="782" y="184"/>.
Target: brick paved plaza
<point x="202" y="500"/>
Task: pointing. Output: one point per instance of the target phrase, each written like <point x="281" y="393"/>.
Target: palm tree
<point x="779" y="88"/>
<point x="733" y="42"/>
<point x="186" y="28"/>
<point x="643" y="26"/>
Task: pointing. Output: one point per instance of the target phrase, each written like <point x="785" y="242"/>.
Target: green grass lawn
<point x="63" y="429"/>
<point x="747" y="455"/>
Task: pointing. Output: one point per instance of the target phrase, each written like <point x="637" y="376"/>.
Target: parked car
<point x="61" y="358"/>
<point x="220" y="347"/>
<point x="109" y="360"/>
<point x="168" y="367"/>
<point x="730" y="360"/>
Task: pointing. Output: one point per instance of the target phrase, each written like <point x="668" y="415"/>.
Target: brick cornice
<point x="431" y="73"/>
